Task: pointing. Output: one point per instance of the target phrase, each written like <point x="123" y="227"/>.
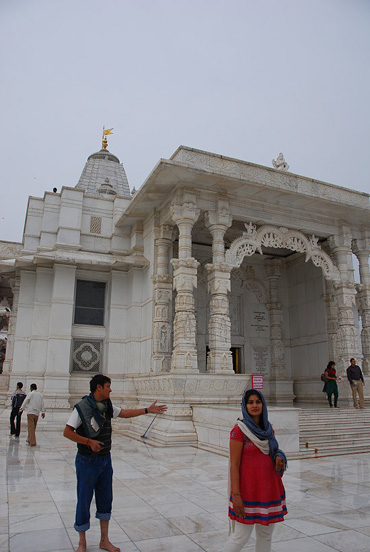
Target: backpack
<point x="324" y="378"/>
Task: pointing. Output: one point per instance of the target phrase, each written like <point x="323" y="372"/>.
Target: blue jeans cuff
<point x="102" y="516"/>
<point x="84" y="527"/>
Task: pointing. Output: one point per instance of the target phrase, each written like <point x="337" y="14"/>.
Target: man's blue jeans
<point x="94" y="474"/>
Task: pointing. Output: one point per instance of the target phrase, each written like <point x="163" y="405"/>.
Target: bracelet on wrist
<point x="146" y="411"/>
<point x="236" y="494"/>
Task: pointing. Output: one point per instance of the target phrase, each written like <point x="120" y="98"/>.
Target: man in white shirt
<point x="34" y="403"/>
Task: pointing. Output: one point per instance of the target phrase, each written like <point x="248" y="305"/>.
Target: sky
<point x="242" y="78"/>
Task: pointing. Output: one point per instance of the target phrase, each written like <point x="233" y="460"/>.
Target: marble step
<point x="334" y="431"/>
<point x="303" y="439"/>
<point x="328" y="416"/>
<point x="330" y="444"/>
<point x="336" y="413"/>
<point x="339" y="428"/>
<point x="331" y="432"/>
<point x="321" y="451"/>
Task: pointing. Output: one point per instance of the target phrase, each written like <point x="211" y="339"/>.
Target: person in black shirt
<point x="90" y="427"/>
<point x="356" y="380"/>
<point x="16" y="413"/>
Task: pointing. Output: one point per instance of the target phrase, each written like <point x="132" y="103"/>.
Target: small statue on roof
<point x="280" y="164"/>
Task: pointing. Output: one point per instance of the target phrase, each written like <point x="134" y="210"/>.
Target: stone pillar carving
<point x="185" y="213"/>
<point x="331" y="319"/>
<point x="347" y="337"/>
<point x="363" y="303"/>
<point x="8" y="363"/>
<point x="218" y="222"/>
<point x="161" y="357"/>
<point x="344" y="292"/>
<point x="275" y="308"/>
<point x="184" y="356"/>
<point x="219" y="328"/>
<point x="361" y="248"/>
<point x="340" y="245"/>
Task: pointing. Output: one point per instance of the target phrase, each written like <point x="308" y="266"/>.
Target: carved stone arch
<point x="270" y="236"/>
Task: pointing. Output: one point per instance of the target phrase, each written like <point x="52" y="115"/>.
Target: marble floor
<point x="173" y="499"/>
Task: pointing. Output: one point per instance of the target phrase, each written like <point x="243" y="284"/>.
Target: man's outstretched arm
<point x="152" y="409"/>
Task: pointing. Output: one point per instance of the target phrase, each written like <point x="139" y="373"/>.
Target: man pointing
<point x="90" y="427"/>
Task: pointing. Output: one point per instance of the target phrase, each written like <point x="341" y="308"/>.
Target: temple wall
<point x="308" y="343"/>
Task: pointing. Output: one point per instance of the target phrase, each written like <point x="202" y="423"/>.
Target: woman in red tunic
<point x="257" y="496"/>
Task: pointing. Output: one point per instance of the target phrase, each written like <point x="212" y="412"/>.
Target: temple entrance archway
<point x="297" y="319"/>
<point x="270" y="236"/>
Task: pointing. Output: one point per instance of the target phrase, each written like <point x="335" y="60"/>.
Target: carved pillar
<point x="340" y="245"/>
<point x="8" y="363"/>
<point x="331" y="319"/>
<point x="275" y="308"/>
<point x="361" y="248"/>
<point x="184" y="356"/>
<point x="344" y="292"/>
<point x="161" y="357"/>
<point x="347" y="337"/>
<point x="219" y="328"/>
<point x="363" y="303"/>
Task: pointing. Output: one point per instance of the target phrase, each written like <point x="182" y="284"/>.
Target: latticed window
<point x="89" y="305"/>
<point x="87" y="355"/>
<point x="95" y="225"/>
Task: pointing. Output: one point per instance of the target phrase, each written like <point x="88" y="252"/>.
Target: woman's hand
<point x="238" y="506"/>
<point x="279" y="464"/>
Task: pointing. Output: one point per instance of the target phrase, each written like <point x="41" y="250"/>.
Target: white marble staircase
<point x="332" y="431"/>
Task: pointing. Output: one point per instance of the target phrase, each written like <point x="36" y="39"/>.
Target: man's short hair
<point x="351" y="359"/>
<point x="19" y="385"/>
<point x="99" y="379"/>
<point x="33" y="387"/>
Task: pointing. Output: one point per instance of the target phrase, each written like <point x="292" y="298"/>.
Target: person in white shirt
<point x="34" y="403"/>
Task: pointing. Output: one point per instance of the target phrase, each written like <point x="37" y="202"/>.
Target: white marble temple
<point x="214" y="271"/>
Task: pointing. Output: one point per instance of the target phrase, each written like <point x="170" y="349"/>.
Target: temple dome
<point x="102" y="167"/>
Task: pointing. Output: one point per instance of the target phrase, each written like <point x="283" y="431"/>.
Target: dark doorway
<point x="237" y="359"/>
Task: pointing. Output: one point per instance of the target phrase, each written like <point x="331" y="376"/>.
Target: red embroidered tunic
<point x="261" y="488"/>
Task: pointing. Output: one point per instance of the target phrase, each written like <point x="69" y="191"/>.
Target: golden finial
<point x="106" y="131"/>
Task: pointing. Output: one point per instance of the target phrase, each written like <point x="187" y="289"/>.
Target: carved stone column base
<point x="174" y="428"/>
<point x="4" y="386"/>
<point x="220" y="362"/>
<point x="278" y="371"/>
<point x="279" y="392"/>
<point x="180" y="392"/>
<point x="366" y="366"/>
<point x="160" y="364"/>
<point x="185" y="362"/>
